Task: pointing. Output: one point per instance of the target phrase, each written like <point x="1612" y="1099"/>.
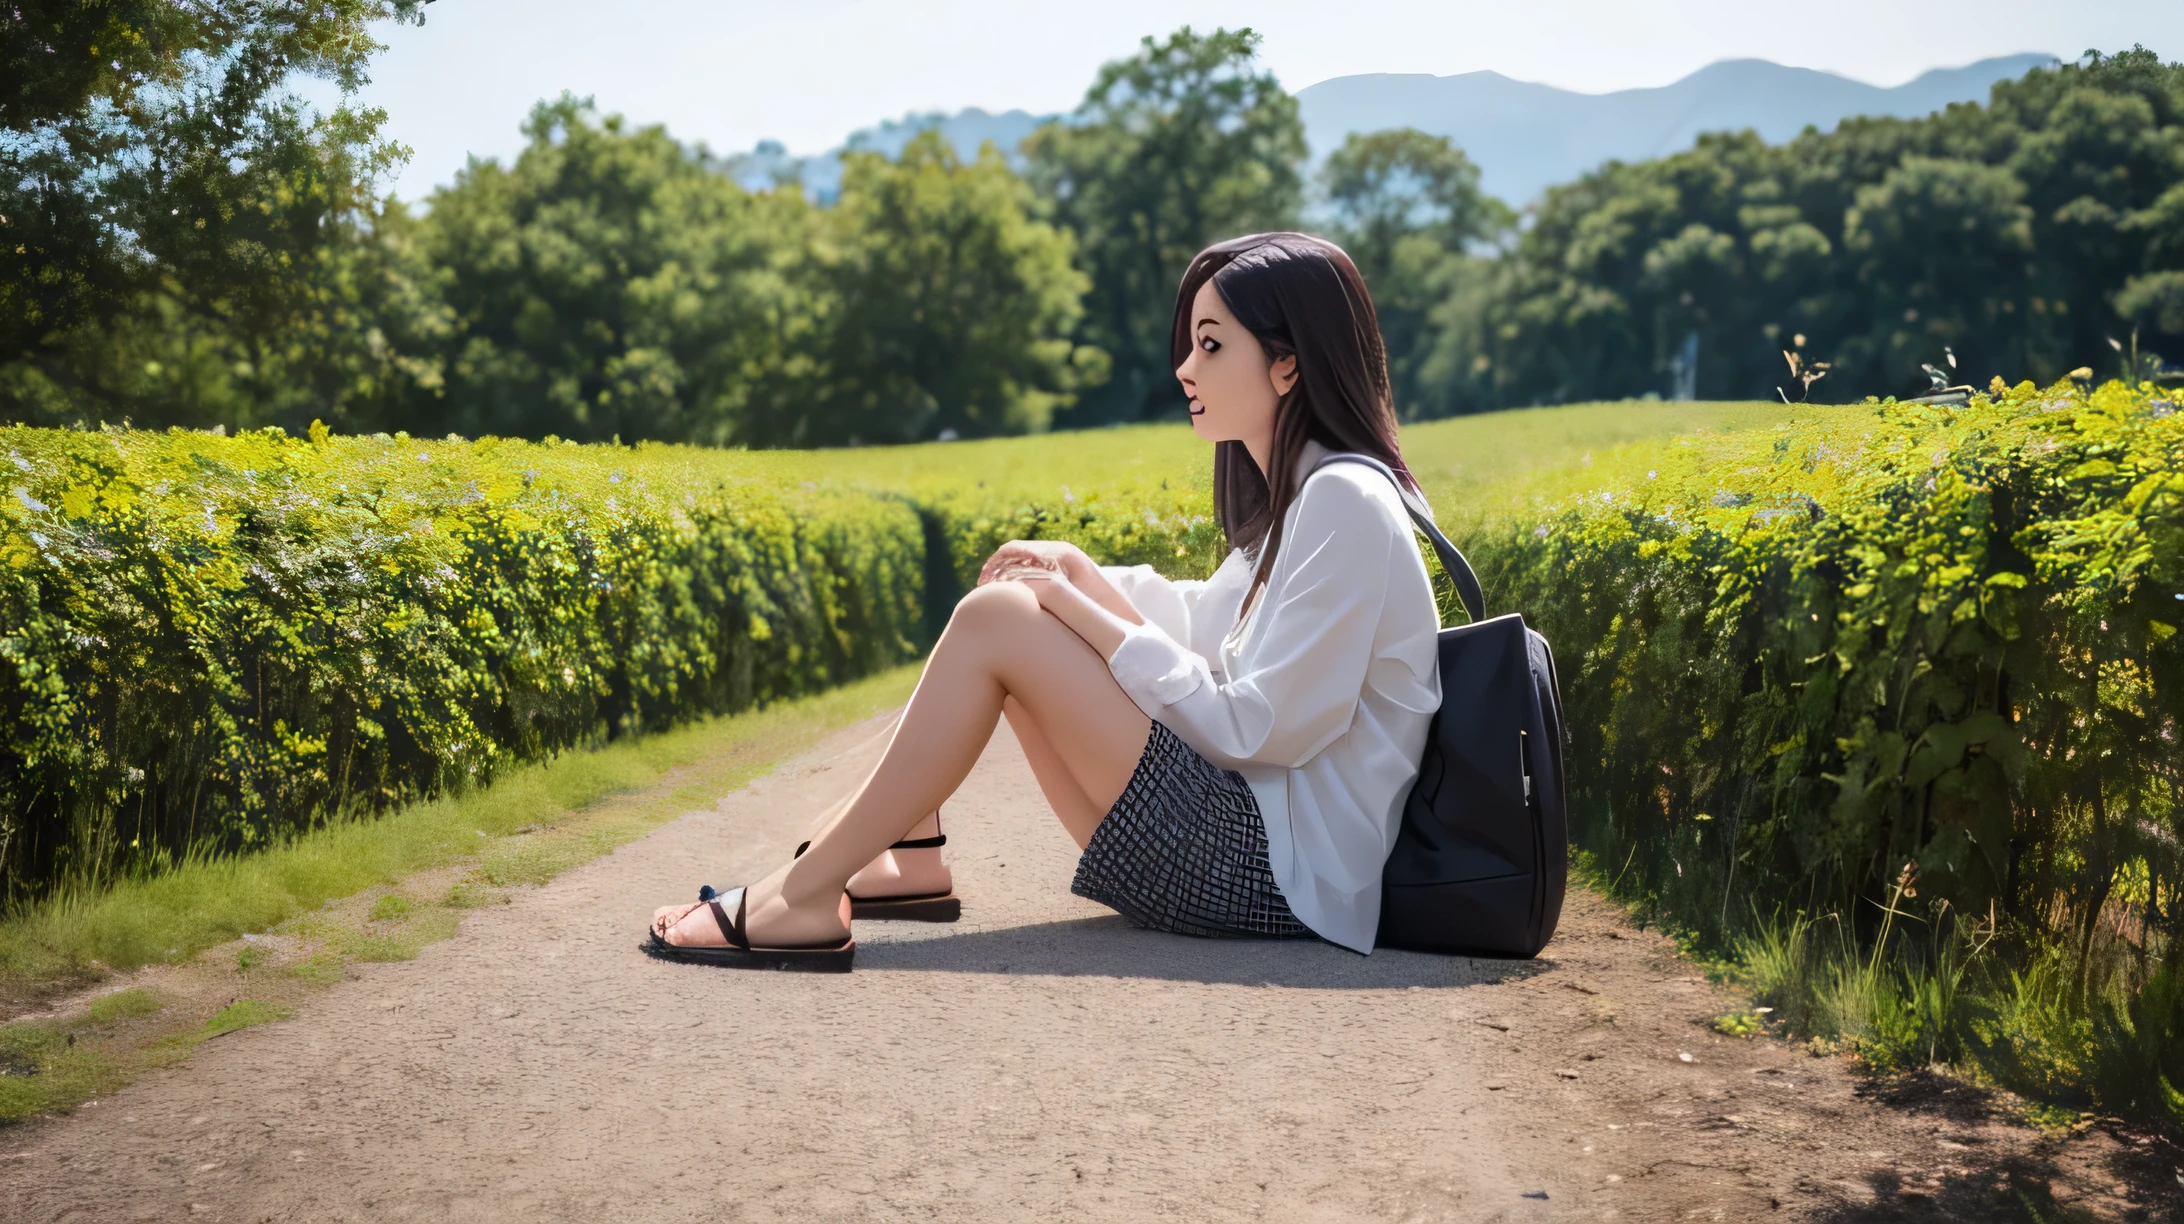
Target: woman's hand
<point x="1032" y="558"/>
<point x="1100" y="628"/>
<point x="1053" y="555"/>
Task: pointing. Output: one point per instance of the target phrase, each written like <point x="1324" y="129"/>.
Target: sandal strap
<point x="908" y="843"/>
<point x="732" y="931"/>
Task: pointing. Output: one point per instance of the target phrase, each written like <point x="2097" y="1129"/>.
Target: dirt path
<point x="1041" y="1060"/>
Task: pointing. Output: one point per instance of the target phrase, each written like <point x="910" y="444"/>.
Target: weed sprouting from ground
<point x="468" y="894"/>
<point x="321" y="968"/>
<point x="1744" y="1022"/>
<point x="242" y="1014"/>
<point x="125" y="1005"/>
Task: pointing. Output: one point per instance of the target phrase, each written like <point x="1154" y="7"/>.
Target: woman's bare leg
<point x="1000" y="644"/>
<point x="906" y="873"/>
<point x="893" y="873"/>
<point x="922" y="872"/>
<point x="1078" y="813"/>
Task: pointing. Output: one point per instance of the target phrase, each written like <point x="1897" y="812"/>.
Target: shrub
<point x="214" y="642"/>
<point x="1887" y="635"/>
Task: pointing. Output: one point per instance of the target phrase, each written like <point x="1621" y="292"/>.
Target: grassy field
<point x="1463" y="463"/>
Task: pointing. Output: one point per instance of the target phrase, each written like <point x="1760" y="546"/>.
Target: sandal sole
<point x="791" y="960"/>
<point x="944" y="908"/>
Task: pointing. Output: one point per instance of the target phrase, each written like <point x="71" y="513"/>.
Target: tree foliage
<point x="953" y="306"/>
<point x="607" y="283"/>
<point x="186" y="243"/>
<point x="160" y="180"/>
<point x="2018" y="237"/>
<point x="1185" y="143"/>
<point x="612" y="283"/>
<point x="1408" y="208"/>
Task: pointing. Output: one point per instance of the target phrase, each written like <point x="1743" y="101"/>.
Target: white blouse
<point x="1321" y="700"/>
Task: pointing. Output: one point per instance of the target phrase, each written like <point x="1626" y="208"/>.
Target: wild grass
<point x="1946" y="993"/>
<point x="59" y="1063"/>
<point x="2077" y="1038"/>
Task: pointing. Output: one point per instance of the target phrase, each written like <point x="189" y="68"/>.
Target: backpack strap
<point x="1459" y="570"/>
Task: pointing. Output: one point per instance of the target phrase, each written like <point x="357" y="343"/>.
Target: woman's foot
<point x="768" y="920"/>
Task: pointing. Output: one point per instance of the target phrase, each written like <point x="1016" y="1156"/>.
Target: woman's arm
<point x="1311" y="647"/>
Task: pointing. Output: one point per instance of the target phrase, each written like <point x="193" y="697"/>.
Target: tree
<point x="1183" y="144"/>
<point x="1384" y="187"/>
<point x="1944" y="249"/>
<point x="1407" y="207"/>
<point x="951" y="306"/>
<point x="2154" y="300"/>
<point x="157" y="176"/>
<point x="609" y="283"/>
<point x="2021" y="236"/>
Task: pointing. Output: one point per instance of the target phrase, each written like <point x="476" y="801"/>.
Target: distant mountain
<point x="1524" y="137"/>
<point x="1527" y="137"/>
<point x="821" y="175"/>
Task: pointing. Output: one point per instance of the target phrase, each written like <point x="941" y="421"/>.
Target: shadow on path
<point x="2043" y="1183"/>
<point x="1111" y="947"/>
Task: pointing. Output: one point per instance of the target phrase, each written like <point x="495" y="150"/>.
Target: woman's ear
<point x="1283" y="374"/>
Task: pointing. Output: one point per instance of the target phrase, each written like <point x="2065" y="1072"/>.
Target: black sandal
<point x="834" y="957"/>
<point x="914" y="907"/>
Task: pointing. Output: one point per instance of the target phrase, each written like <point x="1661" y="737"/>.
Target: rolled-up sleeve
<point x="1315" y="644"/>
<point x="1155" y="670"/>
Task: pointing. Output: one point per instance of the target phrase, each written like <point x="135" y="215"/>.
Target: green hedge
<point x="1797" y="660"/>
<point x="211" y="642"/>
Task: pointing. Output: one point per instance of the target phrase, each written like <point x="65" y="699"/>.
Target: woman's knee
<point x="995" y="606"/>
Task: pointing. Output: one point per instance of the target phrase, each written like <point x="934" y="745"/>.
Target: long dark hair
<point x="1300" y="296"/>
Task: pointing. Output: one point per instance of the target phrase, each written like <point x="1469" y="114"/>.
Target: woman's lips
<point x="1197" y="409"/>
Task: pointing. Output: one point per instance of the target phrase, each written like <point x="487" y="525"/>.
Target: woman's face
<point x="1232" y="387"/>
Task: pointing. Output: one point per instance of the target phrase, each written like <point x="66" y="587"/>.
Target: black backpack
<point x="1482" y="857"/>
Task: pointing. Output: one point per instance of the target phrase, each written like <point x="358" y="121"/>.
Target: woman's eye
<point x="1209" y="344"/>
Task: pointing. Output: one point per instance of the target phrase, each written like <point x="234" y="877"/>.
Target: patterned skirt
<point x="1184" y="850"/>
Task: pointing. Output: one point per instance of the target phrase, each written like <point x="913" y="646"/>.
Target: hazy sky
<point x="808" y="72"/>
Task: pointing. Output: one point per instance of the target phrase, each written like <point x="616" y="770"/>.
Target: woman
<point x="1232" y="754"/>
